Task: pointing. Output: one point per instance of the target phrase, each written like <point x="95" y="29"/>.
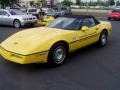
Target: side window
<point x="89" y="22"/>
<point x="3" y="13"/>
<point x="0" y="12"/>
<point x="50" y="11"/>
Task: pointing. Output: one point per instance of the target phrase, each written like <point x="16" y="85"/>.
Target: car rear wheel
<point x="17" y="24"/>
<point x="57" y="54"/>
<point x="103" y="39"/>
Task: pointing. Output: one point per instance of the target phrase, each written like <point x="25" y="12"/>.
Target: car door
<point x="0" y="17"/>
<point x="88" y="36"/>
<point x="78" y="39"/>
<point x="5" y="18"/>
<point x="91" y="34"/>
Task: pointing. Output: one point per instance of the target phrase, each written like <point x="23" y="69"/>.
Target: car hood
<point x="27" y="41"/>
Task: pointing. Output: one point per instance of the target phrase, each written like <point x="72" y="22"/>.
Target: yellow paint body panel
<point x="33" y="45"/>
<point x="17" y="58"/>
<point x="46" y="20"/>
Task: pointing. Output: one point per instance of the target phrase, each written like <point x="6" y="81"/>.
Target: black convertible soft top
<point x="78" y="16"/>
<point x="82" y="16"/>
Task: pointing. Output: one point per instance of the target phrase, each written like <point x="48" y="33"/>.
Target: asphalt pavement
<point x="91" y="68"/>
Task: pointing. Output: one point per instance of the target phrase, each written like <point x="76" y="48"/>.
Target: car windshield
<point x="66" y="23"/>
<point x="32" y="10"/>
<point x="16" y="12"/>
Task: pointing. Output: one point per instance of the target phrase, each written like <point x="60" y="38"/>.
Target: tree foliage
<point x="5" y="3"/>
<point x="111" y="2"/>
<point x="78" y="2"/>
<point x="42" y="2"/>
<point x="66" y="2"/>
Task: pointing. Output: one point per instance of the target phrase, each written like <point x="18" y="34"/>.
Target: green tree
<point x="42" y="2"/>
<point x="78" y="2"/>
<point x="66" y="2"/>
<point x="31" y="3"/>
<point x="5" y="3"/>
<point x="111" y="2"/>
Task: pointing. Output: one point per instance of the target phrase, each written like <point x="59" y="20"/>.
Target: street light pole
<point x="115" y="3"/>
<point x="87" y="8"/>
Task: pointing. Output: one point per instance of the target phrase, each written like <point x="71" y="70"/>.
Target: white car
<point x="49" y="12"/>
<point x="16" y="18"/>
<point x="33" y="11"/>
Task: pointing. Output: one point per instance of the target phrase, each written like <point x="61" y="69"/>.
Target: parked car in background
<point x="66" y="10"/>
<point x="24" y="10"/>
<point x="33" y="11"/>
<point x="114" y="14"/>
<point x="59" y="12"/>
<point x="16" y="18"/>
<point x="49" y="12"/>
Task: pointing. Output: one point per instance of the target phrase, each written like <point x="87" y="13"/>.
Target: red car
<point x="114" y="15"/>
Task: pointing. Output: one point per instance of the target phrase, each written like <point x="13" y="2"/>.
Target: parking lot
<point x="91" y="68"/>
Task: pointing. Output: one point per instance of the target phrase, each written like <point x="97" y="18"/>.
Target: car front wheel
<point x="57" y="54"/>
<point x="17" y="24"/>
<point x="103" y="39"/>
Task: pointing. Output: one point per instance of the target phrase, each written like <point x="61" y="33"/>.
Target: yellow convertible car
<point x="46" y="20"/>
<point x="53" y="43"/>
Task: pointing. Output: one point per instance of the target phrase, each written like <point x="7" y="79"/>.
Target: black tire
<point x="109" y="18"/>
<point x="53" y="58"/>
<point x="16" y="23"/>
<point x="103" y="39"/>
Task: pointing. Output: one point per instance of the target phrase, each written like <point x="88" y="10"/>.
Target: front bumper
<point x="40" y="57"/>
<point x="23" y="23"/>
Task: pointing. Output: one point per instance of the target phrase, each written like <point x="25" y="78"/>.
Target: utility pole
<point x="115" y="3"/>
<point x="87" y="8"/>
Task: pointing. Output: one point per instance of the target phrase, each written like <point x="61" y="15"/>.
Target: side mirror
<point x="84" y="28"/>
